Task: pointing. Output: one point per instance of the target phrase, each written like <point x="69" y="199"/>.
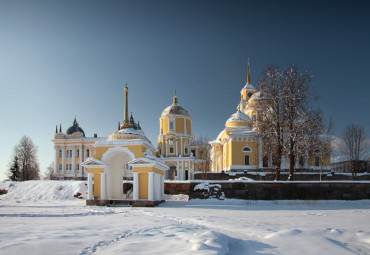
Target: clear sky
<point x="60" y="59"/>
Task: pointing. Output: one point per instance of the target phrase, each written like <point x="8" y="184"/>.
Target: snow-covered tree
<point x="26" y="153"/>
<point x="289" y="124"/>
<point x="49" y="174"/>
<point x="301" y="121"/>
<point x="354" y="146"/>
<point x="14" y="173"/>
<point x="272" y="117"/>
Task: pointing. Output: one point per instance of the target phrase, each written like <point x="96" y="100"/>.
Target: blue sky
<point x="60" y="59"/>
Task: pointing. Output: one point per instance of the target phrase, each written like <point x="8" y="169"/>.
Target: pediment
<point x="93" y="162"/>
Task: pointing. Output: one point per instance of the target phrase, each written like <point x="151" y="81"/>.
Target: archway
<point x="117" y="159"/>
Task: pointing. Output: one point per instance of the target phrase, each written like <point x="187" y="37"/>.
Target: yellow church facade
<point x="239" y="147"/>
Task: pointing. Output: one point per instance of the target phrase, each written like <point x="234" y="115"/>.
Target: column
<point x="157" y="187"/>
<point x="80" y="158"/>
<point x="102" y="186"/>
<point x="136" y="186"/>
<point x="260" y="155"/>
<point x="167" y="147"/>
<point x="162" y="147"/>
<point x="73" y="159"/>
<point x="151" y="186"/>
<point x="162" y="187"/>
<point x="90" y="186"/>
<point x="176" y="149"/>
<point x="56" y="159"/>
<point x="63" y="159"/>
<point x="185" y="129"/>
<point x="181" y="146"/>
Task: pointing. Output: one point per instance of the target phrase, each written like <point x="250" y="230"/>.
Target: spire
<point x="56" y="129"/>
<point x="175" y="99"/>
<point x="248" y="75"/>
<point x="60" y="128"/>
<point x="132" y="119"/>
<point x="126" y="122"/>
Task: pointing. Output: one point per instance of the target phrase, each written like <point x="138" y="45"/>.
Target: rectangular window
<point x="171" y="124"/>
<point x="60" y="168"/>
<point x="186" y="151"/>
<point x="60" y="153"/>
<point x="78" y="153"/>
<point x="88" y="153"/>
<point x="246" y="160"/>
<point x="77" y="168"/>
<point x="171" y="150"/>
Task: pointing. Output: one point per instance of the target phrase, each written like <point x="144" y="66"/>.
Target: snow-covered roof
<point x="175" y="109"/>
<point x="149" y="159"/>
<point x="249" y="87"/>
<point x="92" y="162"/>
<point x="130" y="131"/>
<point x="239" y="117"/>
<point x="258" y="96"/>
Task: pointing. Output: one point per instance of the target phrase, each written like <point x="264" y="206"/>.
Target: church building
<point x="239" y="148"/>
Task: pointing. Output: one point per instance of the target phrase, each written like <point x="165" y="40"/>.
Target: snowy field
<point x="43" y="217"/>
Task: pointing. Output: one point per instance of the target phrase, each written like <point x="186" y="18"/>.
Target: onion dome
<point x="75" y="128"/>
<point x="238" y="119"/>
<point x="175" y="108"/>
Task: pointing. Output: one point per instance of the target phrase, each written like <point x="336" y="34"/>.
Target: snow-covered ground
<point x="45" y="218"/>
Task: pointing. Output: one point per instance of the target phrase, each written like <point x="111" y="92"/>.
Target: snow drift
<point x="43" y="190"/>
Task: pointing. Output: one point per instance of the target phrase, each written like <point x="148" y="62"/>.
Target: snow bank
<point x="42" y="190"/>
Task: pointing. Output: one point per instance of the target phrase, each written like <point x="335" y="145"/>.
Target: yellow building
<point x="70" y="150"/>
<point x="239" y="148"/>
<point x="175" y="141"/>
<point x="125" y="154"/>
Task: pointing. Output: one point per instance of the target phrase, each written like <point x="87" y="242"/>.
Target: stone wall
<point x="270" y="176"/>
<point x="281" y="190"/>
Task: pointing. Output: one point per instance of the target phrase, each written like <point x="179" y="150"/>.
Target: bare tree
<point x="204" y="156"/>
<point x="288" y="124"/>
<point x="301" y="121"/>
<point x="354" y="146"/>
<point x="49" y="174"/>
<point x="26" y="153"/>
<point x="272" y="116"/>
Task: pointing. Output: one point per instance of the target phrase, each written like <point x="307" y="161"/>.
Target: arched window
<point x="247" y="149"/>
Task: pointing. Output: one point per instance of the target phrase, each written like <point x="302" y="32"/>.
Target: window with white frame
<point x="60" y="168"/>
<point x="171" y="124"/>
<point x="77" y="167"/>
<point x="246" y="160"/>
<point x="172" y="150"/>
<point x="60" y="154"/>
<point x="87" y="153"/>
<point x="78" y="153"/>
<point x="186" y="151"/>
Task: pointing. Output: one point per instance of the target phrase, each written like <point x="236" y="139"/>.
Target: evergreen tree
<point x="15" y="174"/>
